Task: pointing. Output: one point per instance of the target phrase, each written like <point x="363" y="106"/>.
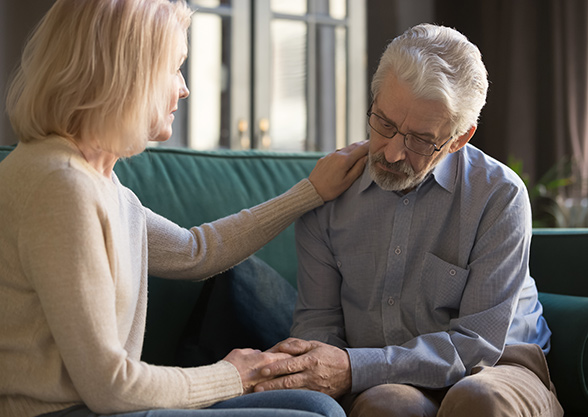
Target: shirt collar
<point x="365" y="180"/>
<point x="444" y="174"/>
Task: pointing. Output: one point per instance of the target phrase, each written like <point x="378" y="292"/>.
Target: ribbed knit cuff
<point x="213" y="383"/>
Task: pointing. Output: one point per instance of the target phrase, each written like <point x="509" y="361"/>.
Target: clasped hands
<point x="294" y="364"/>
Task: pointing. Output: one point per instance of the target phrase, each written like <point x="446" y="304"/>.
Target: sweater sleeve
<point x="213" y="247"/>
<point x="63" y="249"/>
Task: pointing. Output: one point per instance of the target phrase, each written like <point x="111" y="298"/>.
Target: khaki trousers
<point x="518" y="385"/>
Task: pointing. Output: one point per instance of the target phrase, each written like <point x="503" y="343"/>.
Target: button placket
<point x="395" y="268"/>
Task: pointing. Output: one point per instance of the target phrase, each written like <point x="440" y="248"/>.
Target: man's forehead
<point x="424" y="118"/>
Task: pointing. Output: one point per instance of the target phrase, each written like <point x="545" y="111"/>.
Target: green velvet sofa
<point x="191" y="187"/>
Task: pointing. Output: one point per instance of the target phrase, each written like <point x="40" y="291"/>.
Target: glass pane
<point x="297" y="7"/>
<point x="208" y="80"/>
<point x="338" y="9"/>
<point x="341" y="87"/>
<point x="331" y="98"/>
<point x="288" y="108"/>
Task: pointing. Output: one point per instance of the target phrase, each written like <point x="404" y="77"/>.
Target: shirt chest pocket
<point x="441" y="289"/>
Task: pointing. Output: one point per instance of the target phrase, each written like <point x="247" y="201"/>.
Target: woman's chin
<point x="162" y="136"/>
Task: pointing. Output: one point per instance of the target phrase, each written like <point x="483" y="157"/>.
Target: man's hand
<point x="314" y="365"/>
<point x="249" y="363"/>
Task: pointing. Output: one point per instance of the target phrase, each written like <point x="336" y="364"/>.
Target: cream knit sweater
<point x="75" y="249"/>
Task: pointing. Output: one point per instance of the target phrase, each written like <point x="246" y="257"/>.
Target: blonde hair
<point x="99" y="69"/>
<point x="438" y="63"/>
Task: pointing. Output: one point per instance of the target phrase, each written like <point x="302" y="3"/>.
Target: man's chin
<point x="389" y="181"/>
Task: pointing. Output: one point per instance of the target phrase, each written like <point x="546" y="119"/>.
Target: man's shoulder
<point x="490" y="185"/>
<point x="345" y="204"/>
<point x="482" y="168"/>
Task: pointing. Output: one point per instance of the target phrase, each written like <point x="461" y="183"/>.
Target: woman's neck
<point x="100" y="160"/>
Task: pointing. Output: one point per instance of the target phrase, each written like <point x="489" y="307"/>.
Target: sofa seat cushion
<point x="567" y="316"/>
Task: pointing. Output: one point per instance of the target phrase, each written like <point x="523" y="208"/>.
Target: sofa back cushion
<point x="557" y="261"/>
<point x="191" y="188"/>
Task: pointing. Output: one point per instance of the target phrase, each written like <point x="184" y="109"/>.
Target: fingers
<point x="354" y="152"/>
<point x="296" y="381"/>
<point x="357" y="168"/>
<point x="249" y="363"/>
<point x="286" y="366"/>
<point x="277" y="346"/>
<point x="326" y="369"/>
<point x="335" y="172"/>
<point x="296" y="360"/>
<point x="294" y="346"/>
<point x="351" y="154"/>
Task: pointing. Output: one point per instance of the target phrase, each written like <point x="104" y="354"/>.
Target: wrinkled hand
<point x="335" y="172"/>
<point x="249" y="363"/>
<point x="312" y="365"/>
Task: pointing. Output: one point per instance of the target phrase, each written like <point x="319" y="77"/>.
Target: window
<point x="283" y="75"/>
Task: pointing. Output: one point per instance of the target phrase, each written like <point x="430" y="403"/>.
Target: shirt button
<point x="339" y="264"/>
<point x="406" y="201"/>
<point x="398" y="251"/>
<point x="391" y="301"/>
<point x="452" y="272"/>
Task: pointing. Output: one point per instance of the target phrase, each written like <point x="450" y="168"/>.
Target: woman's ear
<point x="462" y="140"/>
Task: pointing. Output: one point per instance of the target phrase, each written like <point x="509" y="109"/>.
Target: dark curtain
<point x="570" y="22"/>
<point x="536" y="55"/>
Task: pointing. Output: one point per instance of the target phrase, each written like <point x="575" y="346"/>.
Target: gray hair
<point x="441" y="64"/>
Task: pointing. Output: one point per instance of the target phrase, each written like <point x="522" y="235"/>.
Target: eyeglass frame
<point x="398" y="132"/>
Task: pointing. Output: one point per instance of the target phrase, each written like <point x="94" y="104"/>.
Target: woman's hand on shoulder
<point x="334" y="173"/>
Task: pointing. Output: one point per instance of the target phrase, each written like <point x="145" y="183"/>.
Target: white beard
<point x="389" y="181"/>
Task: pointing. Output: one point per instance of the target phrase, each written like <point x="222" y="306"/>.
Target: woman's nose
<point x="184" y="92"/>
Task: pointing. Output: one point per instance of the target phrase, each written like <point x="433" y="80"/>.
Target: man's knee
<point x="501" y="391"/>
<point x="474" y="396"/>
<point x="393" y="400"/>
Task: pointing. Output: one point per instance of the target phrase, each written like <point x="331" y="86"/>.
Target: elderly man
<point x="414" y="291"/>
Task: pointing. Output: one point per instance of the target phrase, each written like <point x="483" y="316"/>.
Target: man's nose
<point x="395" y="150"/>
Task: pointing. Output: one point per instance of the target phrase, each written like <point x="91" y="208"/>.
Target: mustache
<point x="400" y="166"/>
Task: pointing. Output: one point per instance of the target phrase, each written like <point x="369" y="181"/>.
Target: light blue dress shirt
<point x="420" y="288"/>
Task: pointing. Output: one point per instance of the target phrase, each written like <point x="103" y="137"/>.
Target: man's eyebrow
<point x="422" y="135"/>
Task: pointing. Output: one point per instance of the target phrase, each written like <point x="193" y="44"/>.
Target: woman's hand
<point x="335" y="172"/>
<point x="250" y="362"/>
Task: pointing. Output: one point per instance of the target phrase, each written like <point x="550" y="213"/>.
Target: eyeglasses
<point x="411" y="141"/>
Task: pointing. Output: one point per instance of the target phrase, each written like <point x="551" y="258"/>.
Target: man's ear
<point x="462" y="140"/>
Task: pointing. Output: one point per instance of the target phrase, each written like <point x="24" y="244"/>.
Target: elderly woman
<point x="98" y="79"/>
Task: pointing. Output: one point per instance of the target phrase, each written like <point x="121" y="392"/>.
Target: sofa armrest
<point x="567" y="317"/>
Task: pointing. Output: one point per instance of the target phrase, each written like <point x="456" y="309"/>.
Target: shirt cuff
<point x="368" y="368"/>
